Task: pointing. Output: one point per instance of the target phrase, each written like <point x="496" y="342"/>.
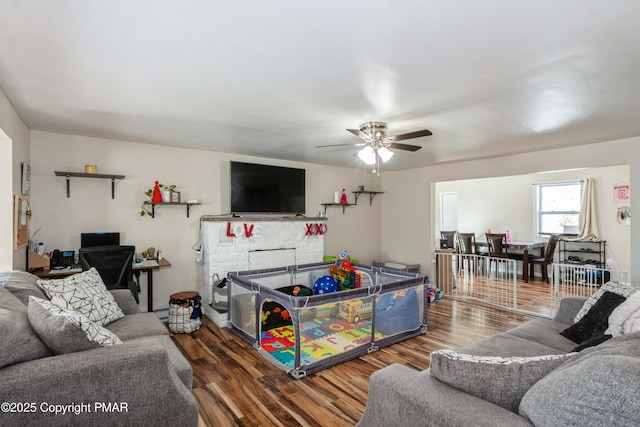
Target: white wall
<point x="6" y="205"/>
<point x="199" y="175"/>
<point x="508" y="203"/>
<point x="14" y="149"/>
<point x="408" y="216"/>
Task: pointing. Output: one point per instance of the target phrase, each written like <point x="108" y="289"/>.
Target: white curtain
<point x="588" y="219"/>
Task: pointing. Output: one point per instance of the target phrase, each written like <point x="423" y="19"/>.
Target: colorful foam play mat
<point x="321" y="337"/>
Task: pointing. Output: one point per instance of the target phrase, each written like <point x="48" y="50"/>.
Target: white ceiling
<point x="276" y="78"/>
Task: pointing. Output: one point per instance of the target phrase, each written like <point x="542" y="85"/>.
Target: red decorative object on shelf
<point x="343" y="199"/>
<point x="157" y="195"/>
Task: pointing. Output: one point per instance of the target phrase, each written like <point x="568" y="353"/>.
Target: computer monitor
<point x="99" y="239"/>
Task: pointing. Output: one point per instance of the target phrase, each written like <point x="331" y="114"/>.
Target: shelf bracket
<point x="113" y="187"/>
<point x="188" y="209"/>
<point x="68" y="185"/>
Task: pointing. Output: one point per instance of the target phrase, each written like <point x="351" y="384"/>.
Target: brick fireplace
<point x="239" y="244"/>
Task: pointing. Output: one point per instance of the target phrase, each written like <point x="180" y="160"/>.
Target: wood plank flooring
<point x="235" y="386"/>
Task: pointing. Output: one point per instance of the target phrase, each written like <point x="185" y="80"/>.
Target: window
<point x="558" y="207"/>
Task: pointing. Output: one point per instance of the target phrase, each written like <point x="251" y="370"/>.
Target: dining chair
<point x="497" y="245"/>
<point x="466" y="246"/>
<point x="547" y="259"/>
<point x="450" y="237"/>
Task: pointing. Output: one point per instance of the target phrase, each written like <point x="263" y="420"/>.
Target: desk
<point x="137" y="269"/>
<point x="525" y="246"/>
<point x="140" y="268"/>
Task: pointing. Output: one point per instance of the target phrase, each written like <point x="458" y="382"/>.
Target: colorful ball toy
<point x="325" y="285"/>
<point x="343" y="255"/>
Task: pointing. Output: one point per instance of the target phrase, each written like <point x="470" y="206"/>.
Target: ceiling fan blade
<point x="406" y="147"/>
<point x="416" y="134"/>
<point x="340" y="145"/>
<point x="363" y="136"/>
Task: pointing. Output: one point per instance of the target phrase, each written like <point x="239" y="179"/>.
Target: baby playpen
<point x="305" y="334"/>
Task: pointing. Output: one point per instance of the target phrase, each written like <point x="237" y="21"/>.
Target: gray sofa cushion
<point x="507" y="345"/>
<point x="400" y="396"/>
<point x="20" y="342"/>
<point x="21" y="284"/>
<point x="598" y="387"/>
<point x="67" y="331"/>
<point x="138" y="325"/>
<point x="87" y="294"/>
<point x="545" y="332"/>
<point x="499" y="380"/>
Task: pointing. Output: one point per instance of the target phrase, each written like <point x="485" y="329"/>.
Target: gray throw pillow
<point x="67" y="331"/>
<point x="20" y="343"/>
<point x="499" y="380"/>
<point x="86" y="293"/>
<point x="598" y="387"/>
<point x="21" y="284"/>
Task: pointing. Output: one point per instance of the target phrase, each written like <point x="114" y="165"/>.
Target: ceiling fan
<point x="376" y="144"/>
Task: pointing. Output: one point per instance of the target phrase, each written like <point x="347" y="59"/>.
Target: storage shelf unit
<point x="112" y="177"/>
<point x="187" y="204"/>
<point x="581" y="252"/>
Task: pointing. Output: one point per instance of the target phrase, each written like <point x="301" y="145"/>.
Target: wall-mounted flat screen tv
<point x="266" y="189"/>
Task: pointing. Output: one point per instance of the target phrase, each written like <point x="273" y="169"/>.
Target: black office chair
<point x="114" y="264"/>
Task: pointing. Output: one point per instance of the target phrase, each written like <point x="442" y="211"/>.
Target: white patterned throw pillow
<point x="615" y="287"/>
<point x="86" y="293"/>
<point x="66" y="331"/>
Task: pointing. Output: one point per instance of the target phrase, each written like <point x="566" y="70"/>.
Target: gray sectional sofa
<point x="593" y="387"/>
<point x="145" y="380"/>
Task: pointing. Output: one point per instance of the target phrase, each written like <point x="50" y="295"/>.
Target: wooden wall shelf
<point x="357" y="194"/>
<point x="188" y="205"/>
<point x="112" y="177"/>
<point x="325" y="205"/>
<point x="371" y="194"/>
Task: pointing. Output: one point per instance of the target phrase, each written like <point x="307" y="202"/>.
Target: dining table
<point x="526" y="246"/>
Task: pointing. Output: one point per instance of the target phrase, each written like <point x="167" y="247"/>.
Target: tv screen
<point x="267" y="189"/>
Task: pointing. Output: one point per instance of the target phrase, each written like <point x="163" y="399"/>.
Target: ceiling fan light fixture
<point x="385" y="154"/>
<point x="367" y="155"/>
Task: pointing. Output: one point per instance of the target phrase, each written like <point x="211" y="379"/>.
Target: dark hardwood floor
<point x="235" y="386"/>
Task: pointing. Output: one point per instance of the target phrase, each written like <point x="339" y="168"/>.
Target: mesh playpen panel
<point x="304" y="334"/>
